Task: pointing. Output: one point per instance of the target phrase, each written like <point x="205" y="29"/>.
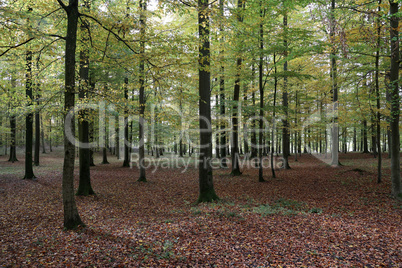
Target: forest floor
<point x="310" y="216"/>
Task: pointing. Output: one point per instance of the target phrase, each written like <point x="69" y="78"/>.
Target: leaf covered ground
<point x="310" y="216"/>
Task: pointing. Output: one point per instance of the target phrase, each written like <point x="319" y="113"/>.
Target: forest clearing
<point x="312" y="215"/>
<point x="200" y="133"/>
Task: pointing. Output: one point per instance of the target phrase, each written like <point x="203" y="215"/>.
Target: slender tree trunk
<point x="236" y="97"/>
<point x="395" y="102"/>
<point x="223" y="151"/>
<point x="261" y="90"/>
<point x="37" y="133"/>
<point x="13" y="151"/>
<point x="126" y="162"/>
<point x="365" y="141"/>
<point x="143" y="8"/>
<point x="285" y="128"/>
<point x="334" y="73"/>
<point x="273" y="120"/>
<point x="217" y="140"/>
<point x="42" y="134"/>
<point x="207" y="191"/>
<point x="29" y="175"/>
<point x="71" y="216"/>
<point x="50" y="135"/>
<point x="377" y="92"/>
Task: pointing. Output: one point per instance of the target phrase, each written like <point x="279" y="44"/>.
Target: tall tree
<point x="143" y="8"/>
<point x="207" y="191"/>
<point x="71" y="216"/>
<point x="29" y="175"/>
<point x="222" y="92"/>
<point x="84" y="186"/>
<point x="261" y="90"/>
<point x="13" y="128"/>
<point x="285" y="122"/>
<point x="335" y="128"/>
<point x="236" y="97"/>
<point x="37" y="129"/>
<point x="126" y="152"/>
<point x="395" y="101"/>
<point x="377" y="92"/>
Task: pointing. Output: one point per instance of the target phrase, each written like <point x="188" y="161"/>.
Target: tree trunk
<point x="207" y="191"/>
<point x="42" y="134"/>
<point x="143" y="8"/>
<point x="395" y="102"/>
<point x="217" y="140"/>
<point x="29" y="175"/>
<point x="273" y="120"/>
<point x="13" y="152"/>
<point x="236" y="98"/>
<point x="285" y="128"/>
<point x="365" y="142"/>
<point x="334" y="71"/>
<point x="377" y="92"/>
<point x="223" y="151"/>
<point x="71" y="216"/>
<point x="84" y="187"/>
<point x="37" y="134"/>
<point x="126" y="162"/>
<point x="261" y="90"/>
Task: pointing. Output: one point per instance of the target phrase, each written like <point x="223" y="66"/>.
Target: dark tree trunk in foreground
<point x="395" y="102"/>
<point x="71" y="216"/>
<point x="207" y="191"/>
<point x="84" y="186"/>
<point x="29" y="175"/>
<point x="143" y="8"/>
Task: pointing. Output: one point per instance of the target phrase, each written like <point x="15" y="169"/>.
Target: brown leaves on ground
<point x="310" y="216"/>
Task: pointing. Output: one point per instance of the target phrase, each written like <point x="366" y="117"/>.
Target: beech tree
<point x="71" y="217"/>
<point x="207" y="191"/>
<point x="395" y="100"/>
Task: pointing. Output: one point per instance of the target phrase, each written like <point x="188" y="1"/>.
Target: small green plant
<point x="195" y="211"/>
<point x="316" y="210"/>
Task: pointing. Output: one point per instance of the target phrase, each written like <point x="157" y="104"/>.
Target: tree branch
<point x="62" y="5"/>
<point x="12" y="47"/>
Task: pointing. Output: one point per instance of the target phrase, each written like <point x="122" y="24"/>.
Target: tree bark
<point x="377" y="92"/>
<point x="335" y="127"/>
<point x="285" y="128"/>
<point x="29" y="175"/>
<point x="395" y="102"/>
<point x="84" y="186"/>
<point x="126" y="161"/>
<point x="37" y="133"/>
<point x="207" y="191"/>
<point x="223" y="151"/>
<point x="261" y="90"/>
<point x="71" y="216"/>
<point x="236" y="97"/>
<point x="143" y="8"/>
<point x="13" y="152"/>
